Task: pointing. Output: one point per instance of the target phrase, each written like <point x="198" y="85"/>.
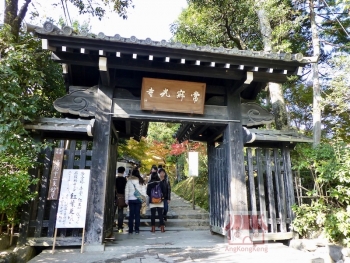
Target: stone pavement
<point x="175" y="246"/>
<point x="182" y="242"/>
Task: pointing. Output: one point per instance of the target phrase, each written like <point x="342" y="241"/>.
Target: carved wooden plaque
<point x="55" y="178"/>
<point x="173" y="96"/>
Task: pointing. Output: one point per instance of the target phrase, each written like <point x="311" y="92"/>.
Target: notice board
<point x="72" y="204"/>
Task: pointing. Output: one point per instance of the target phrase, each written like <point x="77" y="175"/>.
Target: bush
<point x="184" y="189"/>
<point x="329" y="166"/>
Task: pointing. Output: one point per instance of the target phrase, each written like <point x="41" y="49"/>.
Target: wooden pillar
<point x="99" y="171"/>
<point x="238" y="207"/>
<point x="288" y="179"/>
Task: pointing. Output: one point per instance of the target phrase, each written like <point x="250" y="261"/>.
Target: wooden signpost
<point x="173" y="96"/>
<point x="56" y="171"/>
<point x="72" y="204"/>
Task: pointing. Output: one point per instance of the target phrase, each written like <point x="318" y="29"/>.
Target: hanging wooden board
<point x="173" y="96"/>
<point x="55" y="178"/>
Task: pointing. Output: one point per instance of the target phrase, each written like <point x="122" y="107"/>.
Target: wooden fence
<point x="39" y="217"/>
<point x="270" y="191"/>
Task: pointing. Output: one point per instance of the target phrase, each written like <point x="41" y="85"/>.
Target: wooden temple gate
<point x="110" y="82"/>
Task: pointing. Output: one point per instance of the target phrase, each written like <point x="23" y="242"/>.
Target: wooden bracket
<point x="45" y="45"/>
<point x="104" y="74"/>
<point x="242" y="84"/>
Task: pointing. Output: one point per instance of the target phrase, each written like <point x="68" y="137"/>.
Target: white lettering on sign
<point x="195" y="96"/>
<point x="180" y="94"/>
<point x="165" y="93"/>
<point x="72" y="204"/>
<point x="150" y="91"/>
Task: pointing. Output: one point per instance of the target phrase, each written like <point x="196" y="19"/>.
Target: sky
<point x="149" y="18"/>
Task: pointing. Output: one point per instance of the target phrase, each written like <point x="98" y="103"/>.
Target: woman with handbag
<point x="135" y="192"/>
<point x="156" y="201"/>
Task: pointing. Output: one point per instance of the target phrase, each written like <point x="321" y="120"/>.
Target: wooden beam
<point x="241" y="85"/>
<point x="173" y="53"/>
<point x="127" y="127"/>
<point x="201" y="130"/>
<point x="104" y="73"/>
<point x="115" y="132"/>
<point x="45" y="45"/>
<point x="172" y="68"/>
<point x="217" y="135"/>
<point x="130" y="109"/>
<point x="151" y="66"/>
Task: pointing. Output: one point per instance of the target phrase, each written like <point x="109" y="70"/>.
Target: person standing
<point x="155" y="207"/>
<point x="167" y="191"/>
<point x="120" y="183"/>
<point x="135" y="181"/>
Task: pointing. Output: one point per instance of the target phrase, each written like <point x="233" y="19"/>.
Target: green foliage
<point x="298" y="98"/>
<point x="218" y="23"/>
<point x="232" y="24"/>
<point x="329" y="167"/>
<point x="98" y="8"/>
<point x="286" y="24"/>
<point x="162" y="132"/>
<point x="184" y="189"/>
<point x="155" y="149"/>
<point x="29" y="81"/>
<point x="336" y="97"/>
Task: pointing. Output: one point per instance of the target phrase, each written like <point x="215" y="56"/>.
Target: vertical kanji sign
<point x="56" y="171"/>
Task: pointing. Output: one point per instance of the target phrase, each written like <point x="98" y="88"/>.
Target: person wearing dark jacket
<point x="155" y="207"/>
<point x="120" y="183"/>
<point x="167" y="191"/>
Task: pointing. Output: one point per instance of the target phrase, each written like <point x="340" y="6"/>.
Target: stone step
<point x="167" y="228"/>
<point x="176" y="222"/>
<point x="181" y="213"/>
<point x="191" y="214"/>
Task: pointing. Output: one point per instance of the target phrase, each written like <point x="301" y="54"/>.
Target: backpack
<point x="156" y="194"/>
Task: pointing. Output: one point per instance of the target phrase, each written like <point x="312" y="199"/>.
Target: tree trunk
<point x="12" y="17"/>
<point x="275" y="89"/>
<point x="278" y="106"/>
<point x="316" y="112"/>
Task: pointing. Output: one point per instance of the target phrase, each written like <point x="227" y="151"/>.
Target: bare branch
<point x="22" y="13"/>
<point x="236" y="40"/>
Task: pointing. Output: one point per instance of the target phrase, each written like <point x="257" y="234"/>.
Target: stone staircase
<point x="181" y="217"/>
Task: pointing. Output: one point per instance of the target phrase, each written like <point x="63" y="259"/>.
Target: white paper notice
<point x="193" y="164"/>
<point x="72" y="204"/>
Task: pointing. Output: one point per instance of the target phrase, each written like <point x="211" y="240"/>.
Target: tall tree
<point x="316" y="114"/>
<point x="275" y="89"/>
<point x="235" y="24"/>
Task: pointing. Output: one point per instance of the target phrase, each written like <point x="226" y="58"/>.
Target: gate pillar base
<point x="94" y="248"/>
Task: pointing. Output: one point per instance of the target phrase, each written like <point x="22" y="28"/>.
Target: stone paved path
<point x="186" y="242"/>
